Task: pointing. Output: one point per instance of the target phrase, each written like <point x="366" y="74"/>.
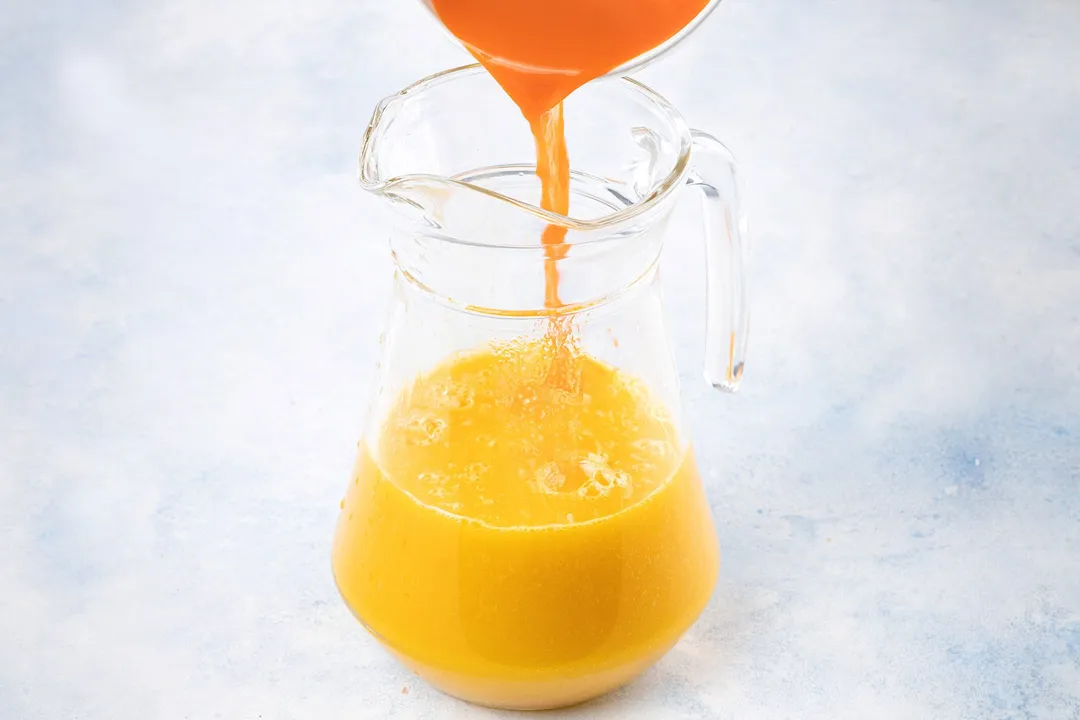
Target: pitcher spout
<point x="420" y="152"/>
<point x="440" y="149"/>
<point x="456" y="161"/>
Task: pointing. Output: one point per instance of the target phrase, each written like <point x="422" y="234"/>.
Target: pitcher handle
<point x="727" y="253"/>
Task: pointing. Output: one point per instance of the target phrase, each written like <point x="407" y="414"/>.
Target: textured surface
<point x="191" y="289"/>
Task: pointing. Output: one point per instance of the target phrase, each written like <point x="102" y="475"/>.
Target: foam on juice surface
<point x="525" y="434"/>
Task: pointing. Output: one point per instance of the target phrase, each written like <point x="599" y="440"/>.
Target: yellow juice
<point x="526" y="530"/>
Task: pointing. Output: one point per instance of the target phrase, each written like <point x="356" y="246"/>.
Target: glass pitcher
<point x="525" y="527"/>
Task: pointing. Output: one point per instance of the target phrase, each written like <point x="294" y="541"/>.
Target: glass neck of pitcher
<point x="453" y="155"/>
<point x="511" y="280"/>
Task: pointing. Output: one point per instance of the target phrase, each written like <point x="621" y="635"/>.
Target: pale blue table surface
<point x="192" y="287"/>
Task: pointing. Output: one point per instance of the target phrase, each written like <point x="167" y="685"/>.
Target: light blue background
<point x="191" y="290"/>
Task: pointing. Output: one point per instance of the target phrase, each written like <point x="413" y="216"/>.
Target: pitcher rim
<point x="662" y="190"/>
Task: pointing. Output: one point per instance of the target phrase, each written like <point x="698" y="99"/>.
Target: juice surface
<point x="527" y="529"/>
<point x="540" y="51"/>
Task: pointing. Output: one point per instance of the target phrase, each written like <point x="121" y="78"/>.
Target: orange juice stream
<point x="525" y="528"/>
<point x="553" y="167"/>
<point x="540" y="51"/>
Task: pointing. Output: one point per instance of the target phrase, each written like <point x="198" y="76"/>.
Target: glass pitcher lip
<point x="370" y="181"/>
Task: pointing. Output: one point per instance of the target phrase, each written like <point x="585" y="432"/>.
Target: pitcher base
<point x="547" y="693"/>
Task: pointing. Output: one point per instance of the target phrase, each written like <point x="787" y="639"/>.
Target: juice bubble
<point x="593" y="464"/>
<point x="577" y="429"/>
<point x="549" y="479"/>
<point x="643" y="398"/>
<point x="525" y="399"/>
<point x="451" y="396"/>
<point x="652" y="447"/>
<point x="593" y="489"/>
<point x="484" y="441"/>
<point x="422" y="428"/>
<point x="527" y="446"/>
<point x="441" y="492"/>
<point x="650" y="452"/>
<point x="565" y="398"/>
<point x="476" y="471"/>
<point x="602" y="478"/>
<point x="437" y="485"/>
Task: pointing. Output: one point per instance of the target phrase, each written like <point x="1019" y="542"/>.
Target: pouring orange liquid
<point x="528" y="531"/>
<point x="540" y="51"/>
